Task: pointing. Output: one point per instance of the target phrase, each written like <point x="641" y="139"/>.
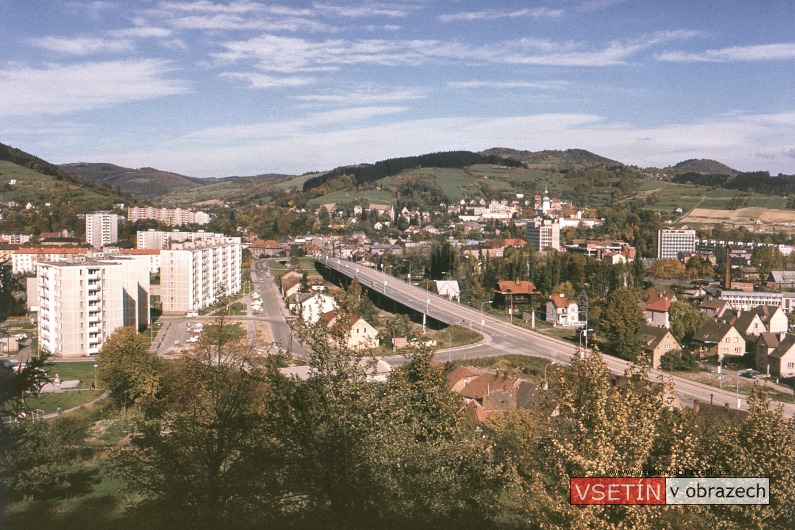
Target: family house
<point x="656" y="342"/>
<point x="718" y="338"/>
<point x="562" y="311"/>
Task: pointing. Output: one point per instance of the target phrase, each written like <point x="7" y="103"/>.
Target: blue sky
<point x="211" y="88"/>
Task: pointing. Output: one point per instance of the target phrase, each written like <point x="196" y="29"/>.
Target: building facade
<point x="82" y="304"/>
<point x="543" y="234"/>
<point x="159" y="239"/>
<point x="102" y="228"/>
<point x="196" y="274"/>
<point x="169" y="216"/>
<point x="671" y="242"/>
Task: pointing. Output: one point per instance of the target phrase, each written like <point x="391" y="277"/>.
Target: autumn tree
<point x="127" y="368"/>
<point x="668" y="269"/>
<point x="685" y="321"/>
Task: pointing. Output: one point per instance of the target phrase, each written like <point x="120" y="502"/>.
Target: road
<point x="504" y="338"/>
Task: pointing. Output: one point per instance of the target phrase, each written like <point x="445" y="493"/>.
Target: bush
<point x="679" y="361"/>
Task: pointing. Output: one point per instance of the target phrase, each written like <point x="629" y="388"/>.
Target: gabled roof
<point x="744" y="321"/>
<point x="457" y="374"/>
<point x="268" y="244"/>
<point x="771" y="340"/>
<point x="713" y="303"/>
<point x="712" y="332"/>
<point x="483" y="385"/>
<point x="514" y="242"/>
<point x="784" y="347"/>
<point x="651" y="336"/>
<point x="560" y="301"/>
<point x="765" y="312"/>
<point x="661" y="305"/>
<point x="517" y="287"/>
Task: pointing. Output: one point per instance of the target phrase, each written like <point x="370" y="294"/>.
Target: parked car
<point x="193" y="339"/>
<point x="20" y="337"/>
<point x="749" y="373"/>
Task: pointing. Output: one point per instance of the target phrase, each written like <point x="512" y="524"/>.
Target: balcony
<point x="93" y="340"/>
<point x="93" y="298"/>
<point x="93" y="286"/>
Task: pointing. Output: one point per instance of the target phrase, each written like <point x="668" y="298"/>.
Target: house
<point x="459" y="377"/>
<point x="656" y="342"/>
<point x="290" y="286"/>
<point x="748" y="324"/>
<point x="765" y="344"/>
<point x="782" y="358"/>
<point x="359" y="333"/>
<point x="654" y="293"/>
<point x="714" y="307"/>
<point x="315" y="305"/>
<point x="511" y="293"/>
<point x="449" y="289"/>
<point x="657" y="313"/>
<point x="288" y="279"/>
<point x="494" y="391"/>
<point x="562" y="311"/>
<point x="718" y="338"/>
<point x="773" y="318"/>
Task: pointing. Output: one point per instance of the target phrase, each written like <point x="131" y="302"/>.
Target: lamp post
<point x="584" y="332"/>
<point x="425" y="314"/>
<point x="546" y="384"/>
<point x="482" y="320"/>
<point x="737" y="391"/>
<point x="385" y="287"/>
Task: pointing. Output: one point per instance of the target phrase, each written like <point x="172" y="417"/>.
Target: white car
<point x="192" y="339"/>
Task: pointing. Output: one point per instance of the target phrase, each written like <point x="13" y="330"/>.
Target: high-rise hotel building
<point x="82" y="303"/>
<point x="671" y="242"/>
<point x="196" y="274"/>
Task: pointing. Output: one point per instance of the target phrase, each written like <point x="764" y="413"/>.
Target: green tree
<point x="206" y="454"/>
<point x="620" y="321"/>
<point x="685" y="321"/>
<point x="127" y="368"/>
<point x="766" y="259"/>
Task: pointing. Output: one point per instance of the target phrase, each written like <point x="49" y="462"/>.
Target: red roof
<point x="483" y="385"/>
<point x="515" y="242"/>
<point x="140" y="251"/>
<point x="50" y="250"/>
<point x="661" y="305"/>
<point x="266" y="244"/>
<point x="561" y="301"/>
<point x="517" y="287"/>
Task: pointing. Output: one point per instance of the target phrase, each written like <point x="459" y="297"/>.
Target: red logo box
<point x="617" y="490"/>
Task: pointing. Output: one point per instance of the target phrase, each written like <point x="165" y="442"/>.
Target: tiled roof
<point x="517" y="287"/>
<point x="560" y="301"/>
<point x="483" y="385"/>
<point x="711" y="332"/>
<point x="661" y="305"/>
<point x="652" y="336"/>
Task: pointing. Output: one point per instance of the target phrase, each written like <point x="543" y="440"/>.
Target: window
<point x="724" y="350"/>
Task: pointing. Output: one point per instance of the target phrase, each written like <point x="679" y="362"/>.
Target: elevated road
<point x="504" y="338"/>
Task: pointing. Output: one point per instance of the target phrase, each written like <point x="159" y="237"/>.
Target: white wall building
<point x="169" y="216"/>
<point x="671" y="242"/>
<point x="543" y="234"/>
<point x="102" y="228"/>
<point x="158" y="239"/>
<point x="82" y="304"/>
<point x="196" y="274"/>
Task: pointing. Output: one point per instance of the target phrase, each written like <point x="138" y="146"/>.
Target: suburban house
<point x="360" y="334"/>
<point x="656" y="313"/>
<point x="315" y="305"/>
<point x="782" y="358"/>
<point x="653" y="293"/>
<point x="262" y="248"/>
<point x="562" y="311"/>
<point x="449" y="289"/>
<point x="493" y="391"/>
<point x="765" y="345"/>
<point x="714" y="307"/>
<point x="288" y="279"/>
<point x="749" y="324"/>
<point x="513" y="292"/>
<point x="459" y="377"/>
<point x="718" y="338"/>
<point x="774" y="318"/>
<point x="656" y="342"/>
<point x="290" y="286"/>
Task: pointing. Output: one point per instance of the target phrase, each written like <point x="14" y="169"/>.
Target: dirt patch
<point x="263" y="333"/>
<point x="759" y="219"/>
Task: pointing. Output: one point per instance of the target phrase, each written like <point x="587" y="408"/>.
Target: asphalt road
<point x="504" y="338"/>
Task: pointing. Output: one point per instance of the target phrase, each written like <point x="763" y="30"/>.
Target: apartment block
<point x="169" y="216"/>
<point x="196" y="274"/>
<point x="543" y="234"/>
<point x="159" y="239"/>
<point x="102" y="228"/>
<point x="671" y="242"/>
<point x="82" y="304"/>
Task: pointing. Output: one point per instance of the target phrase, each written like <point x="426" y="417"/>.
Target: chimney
<point x="727" y="280"/>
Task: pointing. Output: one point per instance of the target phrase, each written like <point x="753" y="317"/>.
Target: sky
<point x="212" y="88"/>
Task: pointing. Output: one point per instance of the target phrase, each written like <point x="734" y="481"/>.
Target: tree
<point x="685" y="321"/>
<point x="127" y="368"/>
<point x="323" y="217"/>
<point x="679" y="360"/>
<point x="205" y="454"/>
<point x="620" y="322"/>
<point x="766" y="259"/>
<point x="668" y="269"/>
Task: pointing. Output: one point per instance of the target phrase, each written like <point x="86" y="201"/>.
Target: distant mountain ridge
<point x="143" y="183"/>
<point x="703" y="166"/>
<point x="569" y="157"/>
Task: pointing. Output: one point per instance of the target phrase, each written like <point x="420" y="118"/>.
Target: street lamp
<point x="546" y="384"/>
<point x="584" y="332"/>
<point x="425" y="315"/>
<point x="384" y="287"/>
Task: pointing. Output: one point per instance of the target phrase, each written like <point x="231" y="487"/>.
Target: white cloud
<point x="364" y="95"/>
<point x="62" y="89"/>
<point x="82" y="45"/>
<point x="510" y="85"/>
<point x="760" y="52"/>
<point x="394" y="10"/>
<point x="266" y="81"/>
<point x="494" y="14"/>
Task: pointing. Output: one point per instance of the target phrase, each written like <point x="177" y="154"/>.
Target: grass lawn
<point x="526" y="367"/>
<point x="67" y="371"/>
<point x="453" y="336"/>
<point x="67" y="399"/>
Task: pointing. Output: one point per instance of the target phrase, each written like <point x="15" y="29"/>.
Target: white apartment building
<point x="671" y="242"/>
<point x="196" y="274"/>
<point x="159" y="239"/>
<point x="24" y="260"/>
<point x="747" y="300"/>
<point x="169" y="216"/>
<point x="82" y="304"/>
<point x="543" y="234"/>
<point x="102" y="228"/>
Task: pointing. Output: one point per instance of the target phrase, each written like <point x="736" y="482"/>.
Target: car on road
<point x="749" y="373"/>
<point x="192" y="339"/>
